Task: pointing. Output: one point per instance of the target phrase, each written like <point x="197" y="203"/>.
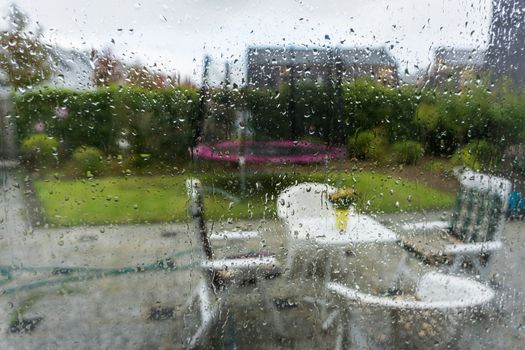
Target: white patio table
<point x="361" y="229"/>
<point x="320" y="233"/>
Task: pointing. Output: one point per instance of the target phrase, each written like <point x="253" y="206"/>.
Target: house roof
<point x="299" y="55"/>
<point x="460" y="56"/>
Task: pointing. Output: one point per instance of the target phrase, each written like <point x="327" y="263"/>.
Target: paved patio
<point x="121" y="287"/>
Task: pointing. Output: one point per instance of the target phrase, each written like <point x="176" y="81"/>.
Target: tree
<point x="143" y="77"/>
<point x="108" y="70"/>
<point x="23" y="57"/>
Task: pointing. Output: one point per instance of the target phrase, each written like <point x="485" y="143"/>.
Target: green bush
<point x="139" y="161"/>
<point x="39" y="150"/>
<point x="368" y="144"/>
<point x="407" y="152"/>
<point x="479" y="155"/>
<point x="88" y="160"/>
<point x="488" y="154"/>
<point x="439" y="166"/>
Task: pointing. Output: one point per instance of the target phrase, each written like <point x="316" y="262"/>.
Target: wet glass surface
<point x="290" y="175"/>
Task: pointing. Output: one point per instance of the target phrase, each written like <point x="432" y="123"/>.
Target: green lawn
<point x="160" y="199"/>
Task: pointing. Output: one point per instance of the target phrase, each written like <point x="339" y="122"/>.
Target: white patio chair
<point x="371" y="320"/>
<point x="205" y="303"/>
<point x="475" y="229"/>
<point x="296" y="203"/>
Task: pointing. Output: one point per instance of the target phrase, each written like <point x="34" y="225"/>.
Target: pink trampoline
<point x="297" y="152"/>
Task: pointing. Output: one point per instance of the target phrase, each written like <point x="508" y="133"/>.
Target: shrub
<point x="369" y="144"/>
<point x="88" y="160"/>
<point x="139" y="161"/>
<point x="426" y="117"/>
<point x="441" y="166"/>
<point x="479" y="155"/>
<point x="408" y="152"/>
<point x="39" y="150"/>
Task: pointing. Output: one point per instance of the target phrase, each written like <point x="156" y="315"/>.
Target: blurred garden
<point x="127" y="148"/>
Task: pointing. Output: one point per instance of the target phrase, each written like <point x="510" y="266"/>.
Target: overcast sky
<point x="176" y="34"/>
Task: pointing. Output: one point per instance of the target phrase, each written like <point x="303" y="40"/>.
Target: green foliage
<point x="152" y="121"/>
<point x="464" y="157"/>
<point x="86" y="117"/>
<point x="368" y="144"/>
<point x="268" y="113"/>
<point x="312" y="112"/>
<point x="39" y="150"/>
<point x="479" y="155"/>
<point x="88" y="160"/>
<point x="221" y="119"/>
<point x="369" y="104"/>
<point x="359" y="145"/>
<point x="139" y="161"/>
<point x="427" y="116"/>
<point x="24" y="58"/>
<point x="408" y="152"/>
<point x="439" y="166"/>
<point x="157" y="122"/>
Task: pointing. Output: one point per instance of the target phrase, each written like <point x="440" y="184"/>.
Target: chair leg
<point x="478" y="267"/>
<point x="329" y="321"/>
<point x="290" y="261"/>
<point x="270" y="305"/>
<point x="340" y="335"/>
<point x="208" y="314"/>
<point x="456" y="265"/>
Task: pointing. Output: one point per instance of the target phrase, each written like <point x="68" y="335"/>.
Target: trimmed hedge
<point x="156" y="122"/>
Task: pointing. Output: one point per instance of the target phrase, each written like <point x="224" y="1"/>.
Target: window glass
<point x="260" y="175"/>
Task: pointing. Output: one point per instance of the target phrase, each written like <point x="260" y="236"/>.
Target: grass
<point x="140" y="199"/>
<point x="381" y="193"/>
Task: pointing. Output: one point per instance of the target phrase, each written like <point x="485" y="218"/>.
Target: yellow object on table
<point x="341" y="218"/>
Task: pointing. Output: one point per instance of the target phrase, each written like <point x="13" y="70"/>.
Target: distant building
<point x="271" y="66"/>
<point x="456" y="65"/>
<point x="506" y="50"/>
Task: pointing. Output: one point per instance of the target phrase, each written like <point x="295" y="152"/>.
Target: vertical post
<point x="291" y="104"/>
<point x="227" y="75"/>
<point x="227" y="100"/>
<point x="338" y="95"/>
<point x="335" y="92"/>
<point x="242" y="171"/>
<point x="197" y="121"/>
<point x="329" y="86"/>
<point x="242" y="159"/>
<point x="7" y="129"/>
<point x="326" y="168"/>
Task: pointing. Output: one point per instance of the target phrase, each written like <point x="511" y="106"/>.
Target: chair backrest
<point x="307" y="199"/>
<point x="481" y="203"/>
